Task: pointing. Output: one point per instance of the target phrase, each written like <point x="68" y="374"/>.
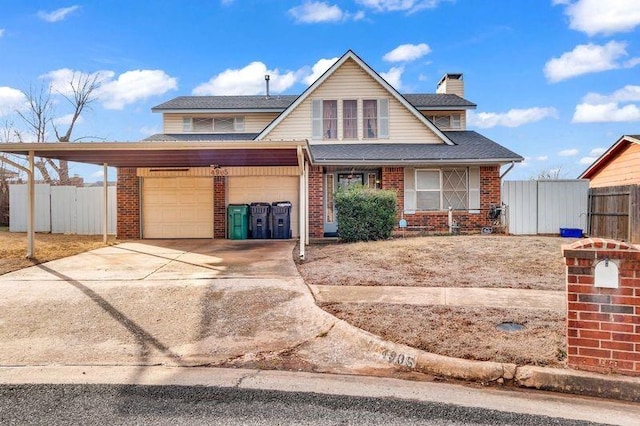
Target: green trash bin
<point x="238" y="221"/>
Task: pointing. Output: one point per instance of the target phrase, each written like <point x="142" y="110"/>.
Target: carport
<point x="213" y="158"/>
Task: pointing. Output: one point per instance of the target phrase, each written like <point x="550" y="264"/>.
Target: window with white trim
<point x="375" y="118"/>
<point x="447" y="122"/>
<point x="439" y="189"/>
<point x="325" y="117"/>
<point x="212" y="125"/>
<point x="350" y="119"/>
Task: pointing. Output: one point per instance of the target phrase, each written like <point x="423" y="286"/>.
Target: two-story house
<point x="350" y="126"/>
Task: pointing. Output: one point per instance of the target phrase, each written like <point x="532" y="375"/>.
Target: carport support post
<point x="31" y="206"/>
<point x="105" y="217"/>
<point x="302" y="208"/>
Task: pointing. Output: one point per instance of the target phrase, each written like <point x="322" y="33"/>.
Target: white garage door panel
<point x="250" y="189"/>
<point x="177" y="207"/>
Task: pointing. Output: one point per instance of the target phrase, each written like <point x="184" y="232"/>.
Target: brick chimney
<point x="451" y="84"/>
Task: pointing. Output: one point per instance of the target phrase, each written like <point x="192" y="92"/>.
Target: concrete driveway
<point x="176" y="302"/>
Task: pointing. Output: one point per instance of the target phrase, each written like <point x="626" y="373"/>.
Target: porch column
<point x="302" y="205"/>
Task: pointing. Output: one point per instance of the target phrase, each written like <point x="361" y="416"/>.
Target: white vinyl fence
<point x="545" y="206"/>
<point x="63" y="209"/>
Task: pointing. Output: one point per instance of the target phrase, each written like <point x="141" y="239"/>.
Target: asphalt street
<point x="192" y="405"/>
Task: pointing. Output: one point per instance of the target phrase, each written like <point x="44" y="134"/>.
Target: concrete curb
<point x="579" y="383"/>
<point x="561" y="380"/>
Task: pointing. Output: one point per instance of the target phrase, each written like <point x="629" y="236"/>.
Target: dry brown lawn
<point x="451" y="261"/>
<point x="13" y="248"/>
<point x="441" y="261"/>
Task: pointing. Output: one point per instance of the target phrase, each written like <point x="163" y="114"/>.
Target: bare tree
<point x="40" y="115"/>
<point x="550" y="174"/>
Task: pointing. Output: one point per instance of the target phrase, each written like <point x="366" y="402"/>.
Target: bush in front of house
<point x="365" y="214"/>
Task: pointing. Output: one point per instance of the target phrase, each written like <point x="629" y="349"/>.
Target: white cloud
<point x="318" y="69"/>
<point x="133" y="86"/>
<point x="129" y="87"/>
<point x="97" y="174"/>
<point x="316" y="12"/>
<point x="246" y="81"/>
<point x="65" y="120"/>
<point x="1" y="32"/>
<point x="58" y="14"/>
<point x="394" y="77"/>
<point x="542" y="158"/>
<point x="596" y="152"/>
<point x="407" y="52"/>
<point x="587" y="160"/>
<point x="606" y="112"/>
<point x="409" y="6"/>
<point x="602" y="17"/>
<point x="568" y="152"/>
<point x="148" y="131"/>
<point x="511" y="118"/>
<point x="628" y="93"/>
<point x="587" y="58"/>
<point x="10" y="100"/>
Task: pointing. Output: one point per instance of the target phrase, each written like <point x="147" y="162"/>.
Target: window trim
<point x="189" y="127"/>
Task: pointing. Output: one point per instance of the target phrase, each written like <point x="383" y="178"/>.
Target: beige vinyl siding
<point x="253" y="123"/>
<point x="249" y="189"/>
<point x="623" y="170"/>
<point x="352" y="82"/>
<point x="462" y="113"/>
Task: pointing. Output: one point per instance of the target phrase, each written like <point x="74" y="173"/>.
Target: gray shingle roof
<point x="469" y="146"/>
<point x="195" y="137"/>
<point x="281" y="102"/>
<point x="434" y="100"/>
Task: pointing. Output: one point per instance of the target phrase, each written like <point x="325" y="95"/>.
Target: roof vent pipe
<point x="266" y="80"/>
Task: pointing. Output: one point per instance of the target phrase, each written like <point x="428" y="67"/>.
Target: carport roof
<point x="166" y="154"/>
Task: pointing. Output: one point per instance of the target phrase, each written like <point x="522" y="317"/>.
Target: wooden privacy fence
<point x="614" y="213"/>
<point x="63" y="209"/>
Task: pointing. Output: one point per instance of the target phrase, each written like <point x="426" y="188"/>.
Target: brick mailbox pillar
<point x="603" y="306"/>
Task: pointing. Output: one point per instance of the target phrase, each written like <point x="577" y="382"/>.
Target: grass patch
<point x="464" y="332"/>
<point x="13" y="248"/>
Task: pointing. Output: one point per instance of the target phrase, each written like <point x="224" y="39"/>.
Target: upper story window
<point x="375" y="118"/>
<point x="350" y="119"/>
<point x="326" y="115"/>
<point x="446" y="121"/>
<point x="213" y="125"/>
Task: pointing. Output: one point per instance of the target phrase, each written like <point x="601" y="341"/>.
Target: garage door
<point x="249" y="189"/>
<point x="177" y="207"/>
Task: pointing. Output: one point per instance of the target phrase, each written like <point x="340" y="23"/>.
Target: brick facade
<point x="316" y="211"/>
<point x="603" y="324"/>
<point x="219" y="207"/>
<point x="128" y="198"/>
<point x="393" y="178"/>
<point x="438" y="221"/>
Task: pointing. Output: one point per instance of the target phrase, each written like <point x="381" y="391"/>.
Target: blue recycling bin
<point x="259" y="220"/>
<point x="281" y="220"/>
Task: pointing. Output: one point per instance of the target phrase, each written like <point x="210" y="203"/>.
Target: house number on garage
<point x="219" y="172"/>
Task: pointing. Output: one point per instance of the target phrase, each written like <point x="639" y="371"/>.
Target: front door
<point x="333" y="181"/>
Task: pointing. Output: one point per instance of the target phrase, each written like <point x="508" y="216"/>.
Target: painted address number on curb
<point x="399" y="358"/>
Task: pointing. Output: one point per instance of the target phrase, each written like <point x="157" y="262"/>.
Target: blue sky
<point x="557" y="81"/>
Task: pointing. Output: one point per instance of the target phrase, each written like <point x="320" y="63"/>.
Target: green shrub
<point x="365" y="214"/>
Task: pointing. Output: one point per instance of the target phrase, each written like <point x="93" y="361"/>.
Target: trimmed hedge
<point x="365" y="214"/>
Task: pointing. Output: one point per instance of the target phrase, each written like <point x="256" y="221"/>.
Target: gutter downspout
<point x="30" y="200"/>
<point x="301" y="203"/>
<point x="513" y="164"/>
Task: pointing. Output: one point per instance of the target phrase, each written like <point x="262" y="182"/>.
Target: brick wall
<point x="316" y="213"/>
<point x="393" y="178"/>
<point x="219" y="207"/>
<point x="438" y="222"/>
<point x="128" y="198"/>
<point x="603" y="324"/>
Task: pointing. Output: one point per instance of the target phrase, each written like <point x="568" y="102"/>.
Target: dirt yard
<point x="460" y="261"/>
<point x="446" y="261"/>
<point x="13" y="248"/>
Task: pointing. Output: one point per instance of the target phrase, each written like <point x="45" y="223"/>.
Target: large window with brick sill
<point x="439" y="189"/>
